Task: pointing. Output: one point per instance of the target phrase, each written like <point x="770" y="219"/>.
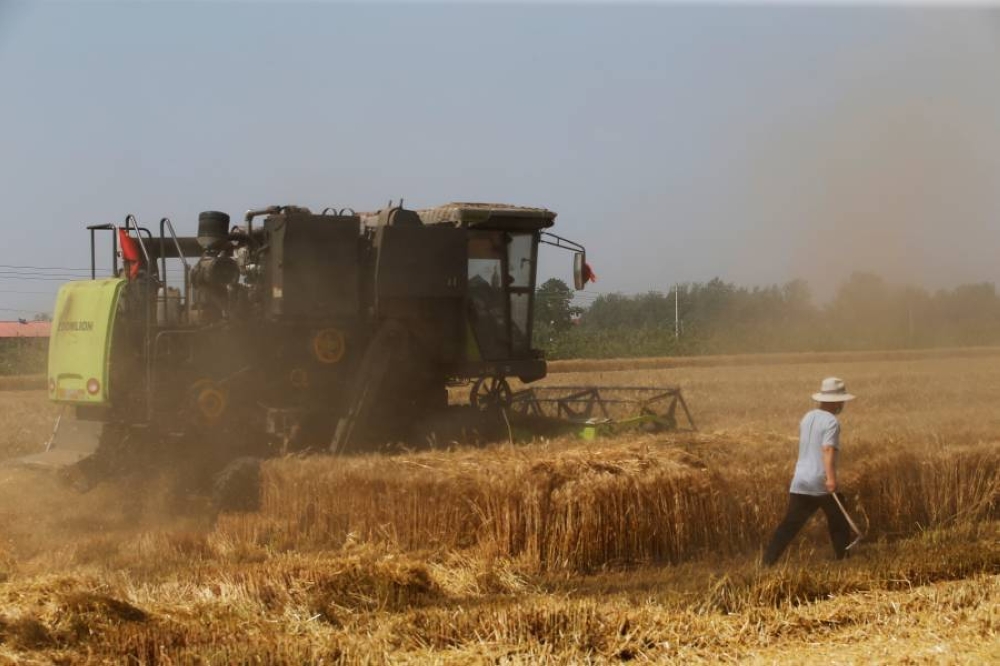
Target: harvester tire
<point x="237" y="487"/>
<point x="490" y="393"/>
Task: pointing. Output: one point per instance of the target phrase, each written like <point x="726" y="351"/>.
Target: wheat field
<point x="638" y="547"/>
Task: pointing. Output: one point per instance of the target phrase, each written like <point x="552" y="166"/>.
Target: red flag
<point x="131" y="258"/>
<point x="588" y="273"/>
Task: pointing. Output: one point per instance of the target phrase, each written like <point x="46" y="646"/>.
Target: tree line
<point x="718" y="317"/>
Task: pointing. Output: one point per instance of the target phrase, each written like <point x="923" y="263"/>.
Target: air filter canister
<point x="213" y="228"/>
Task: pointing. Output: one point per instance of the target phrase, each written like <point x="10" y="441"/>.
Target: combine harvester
<point x="297" y="331"/>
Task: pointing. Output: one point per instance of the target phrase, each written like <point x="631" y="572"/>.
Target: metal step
<point x="72" y="441"/>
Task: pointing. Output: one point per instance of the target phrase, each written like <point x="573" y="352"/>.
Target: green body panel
<point x="80" y="343"/>
<point x="595" y="428"/>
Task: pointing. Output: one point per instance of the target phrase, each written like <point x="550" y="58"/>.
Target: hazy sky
<point x="677" y="143"/>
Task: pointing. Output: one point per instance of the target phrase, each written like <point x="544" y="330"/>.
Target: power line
<point x="17" y="278"/>
<point x="21" y="271"/>
<point x="44" y="268"/>
<point x="24" y="291"/>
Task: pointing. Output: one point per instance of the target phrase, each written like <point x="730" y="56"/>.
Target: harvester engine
<point x="215" y="276"/>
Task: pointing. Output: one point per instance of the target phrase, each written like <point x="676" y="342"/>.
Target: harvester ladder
<point x="131" y="223"/>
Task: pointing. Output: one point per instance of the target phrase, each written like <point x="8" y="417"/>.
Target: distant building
<point x="23" y="346"/>
<point x="25" y="329"/>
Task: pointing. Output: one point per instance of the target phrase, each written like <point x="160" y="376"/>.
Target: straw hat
<point x="832" y="390"/>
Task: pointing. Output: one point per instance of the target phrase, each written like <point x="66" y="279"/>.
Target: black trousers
<point x="800" y="509"/>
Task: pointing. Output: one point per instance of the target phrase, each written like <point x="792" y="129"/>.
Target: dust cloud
<point x="47" y="525"/>
<point x="900" y="178"/>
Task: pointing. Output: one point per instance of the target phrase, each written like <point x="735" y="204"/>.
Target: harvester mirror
<point x="580" y="270"/>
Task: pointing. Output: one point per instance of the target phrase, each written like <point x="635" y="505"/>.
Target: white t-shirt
<point x="819" y="428"/>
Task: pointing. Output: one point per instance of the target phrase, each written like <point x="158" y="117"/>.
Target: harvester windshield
<point x="500" y="292"/>
<point x="521" y="272"/>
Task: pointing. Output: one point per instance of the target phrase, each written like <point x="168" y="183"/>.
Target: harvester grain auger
<point x="293" y="331"/>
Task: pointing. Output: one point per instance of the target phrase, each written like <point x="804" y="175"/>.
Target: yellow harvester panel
<point x="80" y="342"/>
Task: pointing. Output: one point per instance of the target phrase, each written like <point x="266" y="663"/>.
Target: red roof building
<point x="31" y="329"/>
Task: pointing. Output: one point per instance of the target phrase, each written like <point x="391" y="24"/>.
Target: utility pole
<point x="677" y="318"/>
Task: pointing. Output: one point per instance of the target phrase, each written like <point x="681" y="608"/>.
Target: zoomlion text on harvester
<point x="295" y="331"/>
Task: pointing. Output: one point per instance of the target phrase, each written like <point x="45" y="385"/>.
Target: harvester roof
<point x="488" y="215"/>
<point x="476" y="216"/>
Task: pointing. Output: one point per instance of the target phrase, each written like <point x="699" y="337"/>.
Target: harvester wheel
<point x="490" y="392"/>
<point x="237" y="486"/>
<point x="329" y="345"/>
<point x="207" y="401"/>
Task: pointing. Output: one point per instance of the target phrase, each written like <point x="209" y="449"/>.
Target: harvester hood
<point x="80" y="343"/>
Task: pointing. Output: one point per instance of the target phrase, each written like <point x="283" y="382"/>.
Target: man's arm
<point x="830" y="465"/>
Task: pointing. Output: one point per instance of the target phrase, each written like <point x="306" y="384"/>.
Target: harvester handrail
<point x="549" y="238"/>
<point x="131" y="223"/>
<point x="93" y="249"/>
<point x="166" y="224"/>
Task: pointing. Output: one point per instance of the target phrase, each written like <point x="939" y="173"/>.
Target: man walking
<point x="815" y="478"/>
